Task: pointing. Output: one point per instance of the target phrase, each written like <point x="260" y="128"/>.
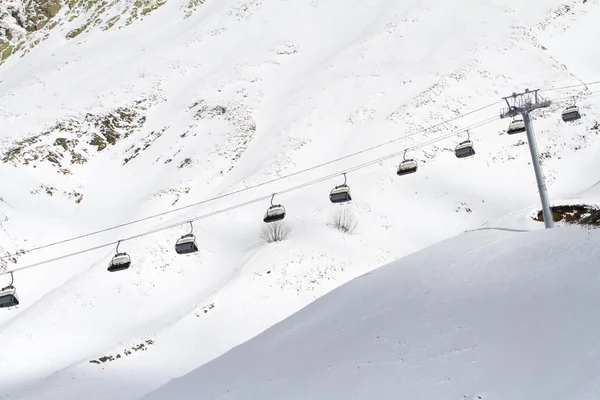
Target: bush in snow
<point x="275" y="232"/>
<point x="344" y="220"/>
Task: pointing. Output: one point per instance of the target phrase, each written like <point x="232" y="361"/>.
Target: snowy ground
<point x="243" y="92"/>
<point x="489" y="314"/>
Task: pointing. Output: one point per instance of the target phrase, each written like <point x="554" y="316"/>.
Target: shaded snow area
<point x="489" y="314"/>
<point x="128" y="119"/>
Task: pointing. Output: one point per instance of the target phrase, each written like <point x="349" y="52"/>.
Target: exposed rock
<point x="39" y="12"/>
<point x="73" y="140"/>
<point x="26" y="23"/>
<point x="21" y="21"/>
<point x="51" y="190"/>
<point x="75" y="32"/>
<point x="135" y="150"/>
<point x="126" y="352"/>
<point x="176" y="193"/>
<point x="186" y="162"/>
<point x="240" y="118"/>
<point x="581" y="214"/>
<point x="191" y="6"/>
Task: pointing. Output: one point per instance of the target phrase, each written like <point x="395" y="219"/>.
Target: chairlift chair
<point x="275" y="213"/>
<point x="120" y="261"/>
<point x="8" y="295"/>
<point x="340" y="193"/>
<point x="407" y="166"/>
<point x="187" y="243"/>
<point x="516" y="126"/>
<point x="465" y="149"/>
<point x="571" y="113"/>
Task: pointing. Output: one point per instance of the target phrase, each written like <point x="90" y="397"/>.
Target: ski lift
<point x="274" y="213"/>
<point x="187" y="243"/>
<point x="8" y="295"/>
<point x="407" y="166"/>
<point x="465" y="149"/>
<point x="571" y="113"/>
<point x="340" y="193"/>
<point x="120" y="261"/>
<point x="516" y="126"/>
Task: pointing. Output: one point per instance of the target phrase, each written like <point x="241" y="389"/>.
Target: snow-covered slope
<point x="189" y="100"/>
<point x="486" y="315"/>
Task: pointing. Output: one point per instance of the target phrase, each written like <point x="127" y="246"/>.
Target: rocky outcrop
<point x="73" y="140"/>
<point x="581" y="214"/>
<point x="26" y="23"/>
<point x="39" y="12"/>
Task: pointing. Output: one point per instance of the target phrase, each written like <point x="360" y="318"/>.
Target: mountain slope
<point x="485" y="315"/>
<point x="185" y="104"/>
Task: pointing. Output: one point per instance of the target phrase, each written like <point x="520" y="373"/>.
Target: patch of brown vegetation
<point x="580" y="214"/>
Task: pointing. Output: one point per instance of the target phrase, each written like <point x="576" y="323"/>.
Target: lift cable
<point x="93" y="233"/>
<point x="255" y="200"/>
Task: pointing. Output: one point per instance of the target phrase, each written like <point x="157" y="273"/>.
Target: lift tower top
<point x="527" y="101"/>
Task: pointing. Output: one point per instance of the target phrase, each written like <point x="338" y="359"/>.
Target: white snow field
<point x="186" y="104"/>
<point x="489" y="314"/>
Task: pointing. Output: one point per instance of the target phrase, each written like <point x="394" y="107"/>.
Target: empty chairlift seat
<point x="464" y="149"/>
<point x="340" y="194"/>
<point x="274" y="213"/>
<point x="516" y="126"/>
<point x="186" y="244"/>
<point x="119" y="262"/>
<point x="8" y="297"/>
<point x="407" y="167"/>
<point x="571" y="114"/>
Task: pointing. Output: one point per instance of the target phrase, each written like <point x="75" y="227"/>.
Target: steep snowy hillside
<point x="161" y="112"/>
<point x="486" y="315"/>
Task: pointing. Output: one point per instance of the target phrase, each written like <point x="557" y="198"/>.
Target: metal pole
<point x="539" y="175"/>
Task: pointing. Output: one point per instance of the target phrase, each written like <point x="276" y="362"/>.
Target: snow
<point x="300" y="83"/>
<point x="489" y="314"/>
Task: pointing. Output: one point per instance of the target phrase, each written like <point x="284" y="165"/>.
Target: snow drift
<point x="489" y="314"/>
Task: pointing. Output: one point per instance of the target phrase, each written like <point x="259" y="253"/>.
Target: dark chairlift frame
<point x="518" y="130"/>
<point x="187" y="243"/>
<point x="8" y="294"/>
<point x="341" y="193"/>
<point x="410" y="170"/>
<point x="279" y="212"/>
<point x="465" y="149"/>
<point x="122" y="266"/>
<point x="571" y="113"/>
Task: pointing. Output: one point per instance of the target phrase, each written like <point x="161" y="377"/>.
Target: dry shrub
<point x="344" y="220"/>
<point x="275" y="232"/>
